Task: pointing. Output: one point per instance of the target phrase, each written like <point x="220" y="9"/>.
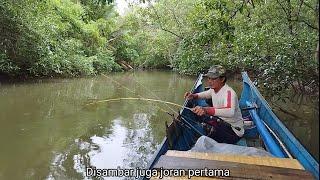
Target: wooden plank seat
<point x="236" y="170"/>
<point x="240" y="167"/>
<point x="256" y="160"/>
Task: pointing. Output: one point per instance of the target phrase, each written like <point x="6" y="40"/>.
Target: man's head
<point x="216" y="77"/>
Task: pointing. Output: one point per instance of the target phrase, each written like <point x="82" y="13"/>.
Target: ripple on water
<point x="124" y="147"/>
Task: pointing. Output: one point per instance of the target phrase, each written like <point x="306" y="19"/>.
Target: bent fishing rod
<point x="140" y="98"/>
<point x="153" y="100"/>
<point x="149" y="99"/>
<point x="165" y="102"/>
<point x="135" y="93"/>
<point x="144" y="99"/>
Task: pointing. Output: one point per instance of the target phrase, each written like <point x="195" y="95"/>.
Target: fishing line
<point x="141" y="97"/>
<point x="133" y="98"/>
<point x="151" y="93"/>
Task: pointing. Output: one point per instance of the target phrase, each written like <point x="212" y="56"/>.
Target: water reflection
<point x="48" y="133"/>
<point x="300" y="114"/>
<point x="125" y="145"/>
<point x="130" y="134"/>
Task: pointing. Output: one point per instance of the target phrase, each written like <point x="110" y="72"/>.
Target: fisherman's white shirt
<point x="226" y="106"/>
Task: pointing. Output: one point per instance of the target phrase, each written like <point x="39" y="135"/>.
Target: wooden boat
<point x="264" y="130"/>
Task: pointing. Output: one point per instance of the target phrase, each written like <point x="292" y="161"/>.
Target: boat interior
<point x="181" y="137"/>
<point x="184" y="131"/>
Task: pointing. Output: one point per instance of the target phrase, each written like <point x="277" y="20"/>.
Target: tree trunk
<point x="317" y="53"/>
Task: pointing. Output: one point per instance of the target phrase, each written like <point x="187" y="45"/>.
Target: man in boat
<point x="226" y="123"/>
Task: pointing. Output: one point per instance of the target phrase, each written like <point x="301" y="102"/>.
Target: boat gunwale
<point x="290" y="141"/>
<point x="286" y="136"/>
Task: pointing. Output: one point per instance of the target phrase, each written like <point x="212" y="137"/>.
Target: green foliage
<point x="274" y="39"/>
<point x="280" y="50"/>
<point x="104" y="62"/>
<point x="154" y="32"/>
<point x="6" y="66"/>
<point x="56" y="38"/>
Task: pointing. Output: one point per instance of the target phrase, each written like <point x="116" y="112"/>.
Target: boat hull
<point x="184" y="130"/>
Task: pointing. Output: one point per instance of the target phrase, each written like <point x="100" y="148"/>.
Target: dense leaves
<point x="56" y="38"/>
<point x="277" y="40"/>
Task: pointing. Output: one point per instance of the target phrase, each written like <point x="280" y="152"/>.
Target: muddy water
<point x="48" y="132"/>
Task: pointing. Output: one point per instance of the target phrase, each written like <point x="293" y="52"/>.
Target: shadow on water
<point x="300" y="114"/>
<point x="48" y="133"/>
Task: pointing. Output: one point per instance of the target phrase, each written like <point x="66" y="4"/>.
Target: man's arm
<point x="204" y="94"/>
<point x="228" y="110"/>
<point x="201" y="95"/>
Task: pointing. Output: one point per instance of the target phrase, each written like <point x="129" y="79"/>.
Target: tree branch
<point x="252" y="3"/>
<point x="288" y="14"/>
<point x="235" y="12"/>
<point x="307" y="23"/>
<point x="300" y="6"/>
<point x="171" y="32"/>
<point x="308" y="5"/>
<point x="176" y="19"/>
<point x="161" y="27"/>
<point x="285" y="11"/>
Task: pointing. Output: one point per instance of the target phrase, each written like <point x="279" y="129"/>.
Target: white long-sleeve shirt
<point x="226" y="106"/>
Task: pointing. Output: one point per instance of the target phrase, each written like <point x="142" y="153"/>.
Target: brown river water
<point x="48" y="132"/>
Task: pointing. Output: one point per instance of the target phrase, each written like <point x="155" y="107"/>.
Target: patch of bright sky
<point x="123" y="6"/>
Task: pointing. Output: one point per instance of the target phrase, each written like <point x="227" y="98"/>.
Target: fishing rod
<point x="155" y="100"/>
<point x="135" y="98"/>
<point x="134" y="92"/>
<point x="183" y="120"/>
<point x="151" y="92"/>
<point x="195" y="85"/>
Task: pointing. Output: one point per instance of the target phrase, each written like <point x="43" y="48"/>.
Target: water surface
<point x="48" y="132"/>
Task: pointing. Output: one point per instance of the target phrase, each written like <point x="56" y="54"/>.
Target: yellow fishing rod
<point x="135" y="98"/>
<point x="148" y="99"/>
<point x="140" y="98"/>
<point x="151" y="92"/>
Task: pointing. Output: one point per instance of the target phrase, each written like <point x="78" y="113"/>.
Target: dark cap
<point x="215" y="71"/>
